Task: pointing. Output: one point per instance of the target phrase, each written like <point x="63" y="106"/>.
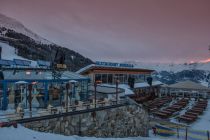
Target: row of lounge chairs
<point x="141" y="98"/>
<point x="158" y="103"/>
<point x="169" y="111"/>
<point x="192" y="114"/>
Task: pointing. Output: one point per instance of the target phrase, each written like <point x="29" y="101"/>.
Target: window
<point x="125" y="78"/>
<point x="110" y="78"/>
<point x="98" y="77"/>
<point x="104" y="78"/>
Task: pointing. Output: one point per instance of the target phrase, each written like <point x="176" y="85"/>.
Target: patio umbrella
<point x="73" y="81"/>
<point x="21" y="82"/>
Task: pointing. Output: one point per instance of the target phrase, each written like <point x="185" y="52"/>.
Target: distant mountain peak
<point x="15" y="25"/>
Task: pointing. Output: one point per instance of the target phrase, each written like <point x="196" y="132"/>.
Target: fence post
<point x="186" y="134"/>
<point x="177" y="129"/>
<point x="208" y="134"/>
<point x="79" y="125"/>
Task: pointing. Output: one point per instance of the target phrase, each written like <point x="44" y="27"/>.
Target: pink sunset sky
<point x="120" y="30"/>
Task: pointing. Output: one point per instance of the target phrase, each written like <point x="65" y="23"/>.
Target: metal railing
<point x="54" y="112"/>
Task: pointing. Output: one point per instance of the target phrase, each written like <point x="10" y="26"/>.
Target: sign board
<point x="111" y="64"/>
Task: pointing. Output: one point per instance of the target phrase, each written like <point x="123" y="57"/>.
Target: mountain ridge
<point x="33" y="47"/>
<point x="15" y="25"/>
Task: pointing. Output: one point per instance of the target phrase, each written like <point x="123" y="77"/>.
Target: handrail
<point x="62" y="110"/>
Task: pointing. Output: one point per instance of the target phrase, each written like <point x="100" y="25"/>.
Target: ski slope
<point x="8" y="53"/>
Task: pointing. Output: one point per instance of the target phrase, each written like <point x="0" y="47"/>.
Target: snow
<point x="173" y="67"/>
<point x="126" y="87"/>
<point x="22" y="133"/>
<point x="8" y="53"/>
<point x="85" y="68"/>
<point x="203" y="123"/>
<point x="20" y="28"/>
<point x="145" y="84"/>
<point x="204" y="83"/>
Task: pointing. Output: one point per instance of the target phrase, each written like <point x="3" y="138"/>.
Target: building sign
<point x="110" y="64"/>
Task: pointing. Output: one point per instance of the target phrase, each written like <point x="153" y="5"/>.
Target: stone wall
<point x="126" y="121"/>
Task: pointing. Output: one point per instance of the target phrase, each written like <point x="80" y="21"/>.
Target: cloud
<point x="150" y="31"/>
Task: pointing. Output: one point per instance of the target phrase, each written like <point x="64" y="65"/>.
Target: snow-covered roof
<point x="145" y="84"/>
<point x="125" y="87"/>
<point x="91" y="66"/>
<point x="189" y="85"/>
<point x="85" y="68"/>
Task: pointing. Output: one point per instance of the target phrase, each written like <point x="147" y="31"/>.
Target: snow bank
<point x="22" y="133"/>
<point x="203" y="123"/>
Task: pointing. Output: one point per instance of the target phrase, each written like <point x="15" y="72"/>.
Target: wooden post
<point x="117" y="83"/>
<point x="95" y="85"/>
<point x="67" y="93"/>
<point x="186" y="134"/>
<point x="177" y="131"/>
<point x="80" y="132"/>
<point x="30" y="98"/>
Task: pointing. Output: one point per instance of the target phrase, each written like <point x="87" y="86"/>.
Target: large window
<point x="123" y="78"/>
<point x="104" y="78"/>
<point x="98" y="77"/>
<point x="110" y="77"/>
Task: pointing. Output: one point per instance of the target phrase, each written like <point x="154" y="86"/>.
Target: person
<point x="154" y="130"/>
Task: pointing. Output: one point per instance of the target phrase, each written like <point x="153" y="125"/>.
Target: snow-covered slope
<point x="20" y="28"/>
<point x="22" y="133"/>
<point x="8" y="53"/>
<point x="174" y="67"/>
<point x="172" y="73"/>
